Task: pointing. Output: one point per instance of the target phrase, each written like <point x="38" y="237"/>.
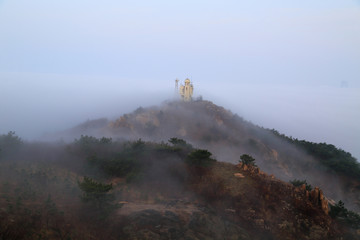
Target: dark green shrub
<point x="349" y="218"/>
<point x="247" y="160"/>
<point x="200" y="158"/>
<point x="180" y="143"/>
<point x="298" y="183"/>
<point x="177" y="141"/>
<point x="9" y="143"/>
<point x="97" y="197"/>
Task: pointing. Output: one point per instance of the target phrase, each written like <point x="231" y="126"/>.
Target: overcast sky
<point x="289" y="65"/>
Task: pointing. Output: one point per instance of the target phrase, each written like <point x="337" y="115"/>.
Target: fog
<point x="318" y="113"/>
<point x="35" y="105"/>
<point x="292" y="66"/>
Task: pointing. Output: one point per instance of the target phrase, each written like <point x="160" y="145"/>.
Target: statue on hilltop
<point x="185" y="91"/>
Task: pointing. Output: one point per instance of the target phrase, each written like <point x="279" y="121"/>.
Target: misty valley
<point x="181" y="170"/>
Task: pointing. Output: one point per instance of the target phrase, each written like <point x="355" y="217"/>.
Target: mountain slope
<point x="227" y="136"/>
<point x="100" y="188"/>
<point x="103" y="189"/>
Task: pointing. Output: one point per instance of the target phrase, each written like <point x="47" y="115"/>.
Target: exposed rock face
<point x="121" y="123"/>
<point x="317" y="198"/>
<point x="268" y="205"/>
<point x="148" y="118"/>
<point x="239" y="175"/>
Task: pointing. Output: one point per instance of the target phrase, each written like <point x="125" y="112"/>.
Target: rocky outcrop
<point x="239" y="175"/>
<point x="317" y="197"/>
<point x="122" y="122"/>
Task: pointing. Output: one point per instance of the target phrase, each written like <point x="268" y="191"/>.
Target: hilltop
<point x="227" y="136"/>
<point x="182" y="170"/>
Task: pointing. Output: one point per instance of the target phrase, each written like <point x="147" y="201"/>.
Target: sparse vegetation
<point x="44" y="199"/>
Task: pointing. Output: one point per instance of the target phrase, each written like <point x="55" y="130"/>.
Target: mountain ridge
<point x="227" y="136"/>
<point x="176" y="189"/>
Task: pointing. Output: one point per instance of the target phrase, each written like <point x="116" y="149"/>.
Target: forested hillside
<point x="100" y="188"/>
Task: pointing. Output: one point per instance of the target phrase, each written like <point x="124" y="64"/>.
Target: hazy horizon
<point x="292" y="66"/>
